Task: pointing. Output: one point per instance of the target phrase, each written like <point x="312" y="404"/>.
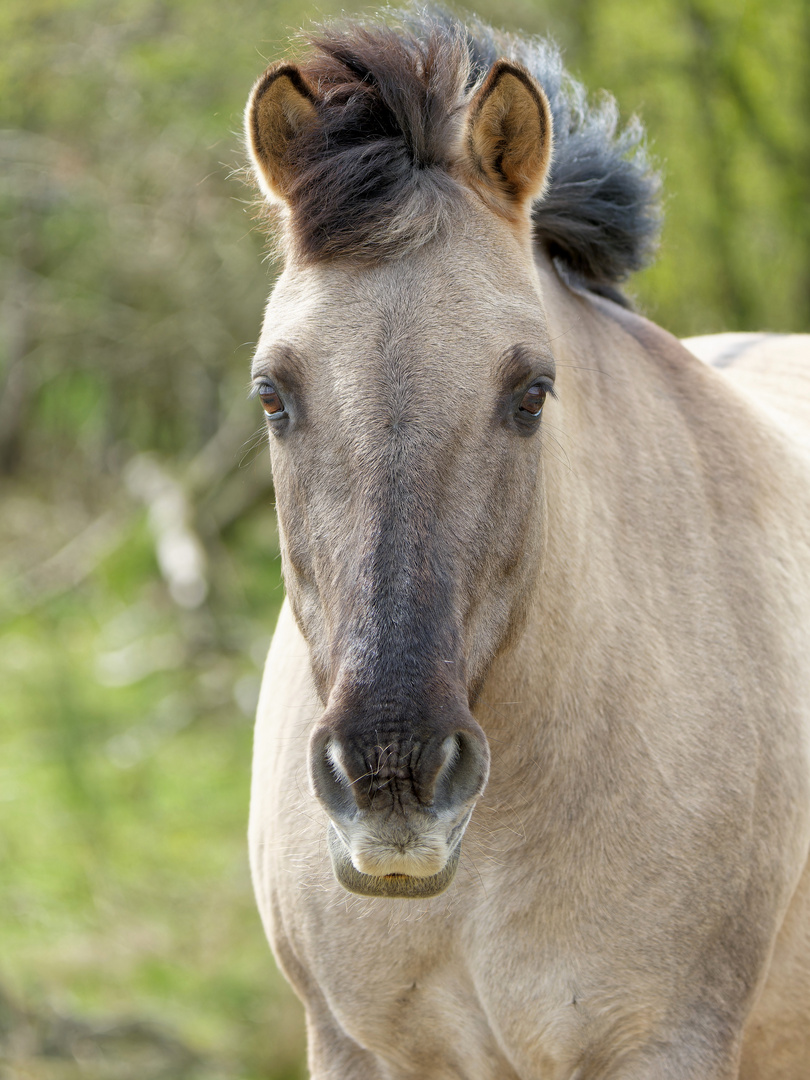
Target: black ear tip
<point x="292" y="73"/>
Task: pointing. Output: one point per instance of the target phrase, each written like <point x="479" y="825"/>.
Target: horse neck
<point x="599" y="446"/>
<point x="619" y="466"/>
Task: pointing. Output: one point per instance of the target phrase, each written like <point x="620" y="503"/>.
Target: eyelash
<point x="269" y="396"/>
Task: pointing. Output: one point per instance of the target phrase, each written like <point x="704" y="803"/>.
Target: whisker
<point x="251" y="446"/>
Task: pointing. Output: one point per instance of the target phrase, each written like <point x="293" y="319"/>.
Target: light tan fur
<point x="633" y="588"/>
<point x="772" y="370"/>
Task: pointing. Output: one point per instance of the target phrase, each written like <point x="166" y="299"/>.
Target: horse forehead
<point x="414" y="315"/>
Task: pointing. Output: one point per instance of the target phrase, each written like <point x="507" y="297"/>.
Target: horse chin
<point x="393" y="886"/>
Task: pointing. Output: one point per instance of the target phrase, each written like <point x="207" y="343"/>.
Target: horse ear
<point x="508" y="137"/>
<point x="281" y="105"/>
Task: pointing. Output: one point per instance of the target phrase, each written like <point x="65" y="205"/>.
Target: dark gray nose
<point x="397" y="772"/>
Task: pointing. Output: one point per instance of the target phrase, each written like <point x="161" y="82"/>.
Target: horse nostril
<point x="463" y="774"/>
<point x="349" y="777"/>
<point x="330" y="778"/>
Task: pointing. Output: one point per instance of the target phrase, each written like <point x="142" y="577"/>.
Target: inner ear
<point x="281" y="105"/>
<point x="508" y="137"/>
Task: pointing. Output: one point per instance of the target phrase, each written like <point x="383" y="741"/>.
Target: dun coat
<point x="531" y="791"/>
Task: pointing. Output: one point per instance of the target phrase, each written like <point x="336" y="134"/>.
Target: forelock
<point x="373" y="179"/>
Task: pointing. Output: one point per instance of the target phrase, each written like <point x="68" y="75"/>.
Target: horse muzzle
<point x="398" y="809"/>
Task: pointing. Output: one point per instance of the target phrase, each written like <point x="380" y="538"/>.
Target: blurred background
<point x="139" y="571"/>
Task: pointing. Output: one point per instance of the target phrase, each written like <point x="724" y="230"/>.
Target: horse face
<point x="405" y="406"/>
<point x="403" y="366"/>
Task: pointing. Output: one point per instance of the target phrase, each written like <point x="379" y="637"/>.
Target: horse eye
<point x="271" y="400"/>
<point x="533" y="400"/>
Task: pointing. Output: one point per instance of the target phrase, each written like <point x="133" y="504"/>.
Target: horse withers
<point x="531" y="789"/>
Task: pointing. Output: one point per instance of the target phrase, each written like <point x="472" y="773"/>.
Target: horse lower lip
<point x="388" y="885"/>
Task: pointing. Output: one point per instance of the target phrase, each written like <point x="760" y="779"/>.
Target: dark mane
<point x="371" y="179"/>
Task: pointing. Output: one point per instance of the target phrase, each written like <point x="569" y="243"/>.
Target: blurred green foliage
<point x="132" y="286"/>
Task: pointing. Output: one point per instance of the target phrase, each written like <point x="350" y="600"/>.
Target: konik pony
<point x="531" y="794"/>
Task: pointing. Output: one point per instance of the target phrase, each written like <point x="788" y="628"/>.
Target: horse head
<point x="404" y="365"/>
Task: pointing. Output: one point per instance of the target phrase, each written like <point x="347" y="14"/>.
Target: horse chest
<point x="542" y="955"/>
<point x="433" y="988"/>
